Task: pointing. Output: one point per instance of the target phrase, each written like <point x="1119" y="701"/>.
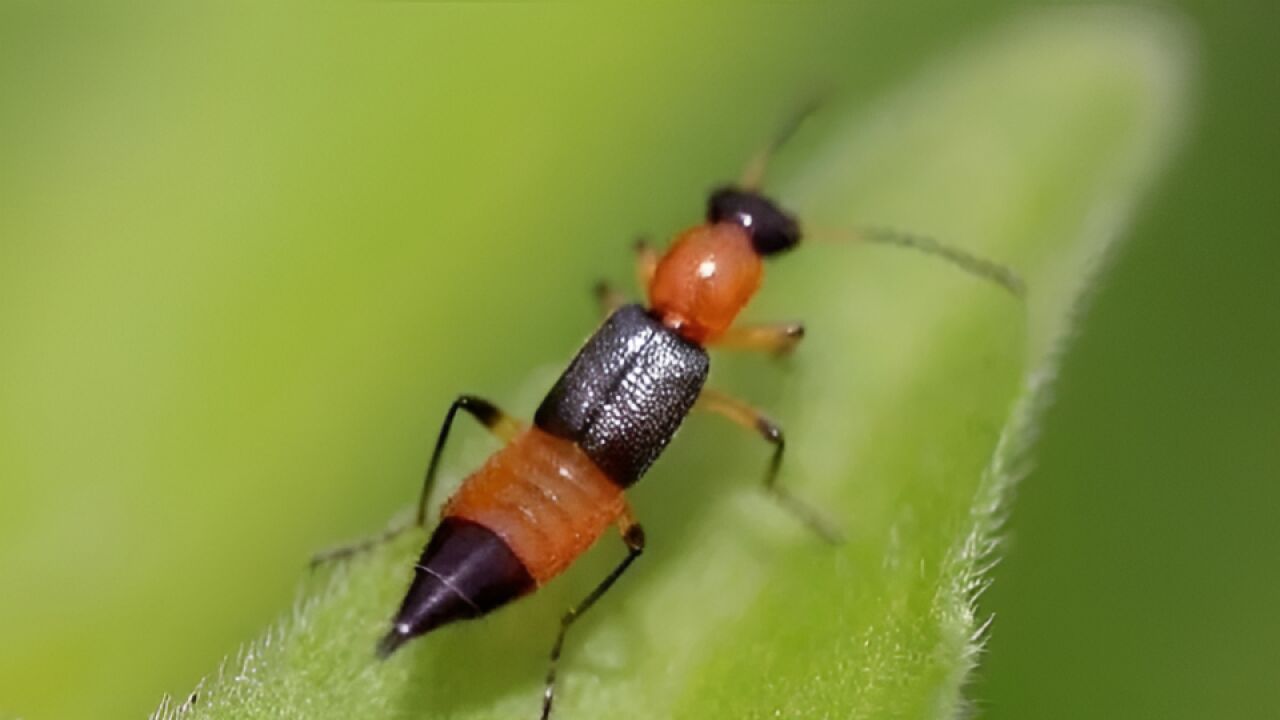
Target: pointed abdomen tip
<point x="399" y="634"/>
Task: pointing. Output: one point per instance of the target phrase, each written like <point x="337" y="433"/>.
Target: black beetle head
<point x="772" y="230"/>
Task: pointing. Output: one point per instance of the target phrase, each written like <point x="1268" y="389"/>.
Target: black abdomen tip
<point x="465" y="571"/>
<point x="400" y="634"/>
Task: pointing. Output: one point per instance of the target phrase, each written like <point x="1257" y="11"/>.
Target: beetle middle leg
<point x="633" y="536"/>
<point x="752" y="419"/>
<point x="486" y="413"/>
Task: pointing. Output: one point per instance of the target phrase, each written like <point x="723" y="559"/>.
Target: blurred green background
<point x="247" y="257"/>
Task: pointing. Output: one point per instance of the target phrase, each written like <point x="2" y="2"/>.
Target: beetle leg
<point x="752" y="419"/>
<point x="776" y="338"/>
<point x="487" y="414"/>
<point x="633" y="536"/>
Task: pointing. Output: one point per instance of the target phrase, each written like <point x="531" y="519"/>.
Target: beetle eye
<point x="772" y="230"/>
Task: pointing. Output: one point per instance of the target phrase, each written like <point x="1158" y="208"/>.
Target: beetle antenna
<point x="975" y="265"/>
<point x="753" y="173"/>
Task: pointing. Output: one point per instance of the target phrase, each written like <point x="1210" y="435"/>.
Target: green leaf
<point x="908" y="409"/>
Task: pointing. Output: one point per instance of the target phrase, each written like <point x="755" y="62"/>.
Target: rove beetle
<point x="558" y="484"/>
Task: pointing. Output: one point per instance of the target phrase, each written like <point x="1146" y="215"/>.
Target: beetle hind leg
<point x="486" y="413"/>
<point x="633" y="536"/>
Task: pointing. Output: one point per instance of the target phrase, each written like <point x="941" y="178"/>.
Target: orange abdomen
<point x="544" y="497"/>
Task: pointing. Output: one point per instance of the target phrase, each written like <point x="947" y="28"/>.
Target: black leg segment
<point x="345" y="551"/>
<point x="752" y="419"/>
<point x="802" y="510"/>
<point x="633" y="536"/>
<point x="487" y="414"/>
